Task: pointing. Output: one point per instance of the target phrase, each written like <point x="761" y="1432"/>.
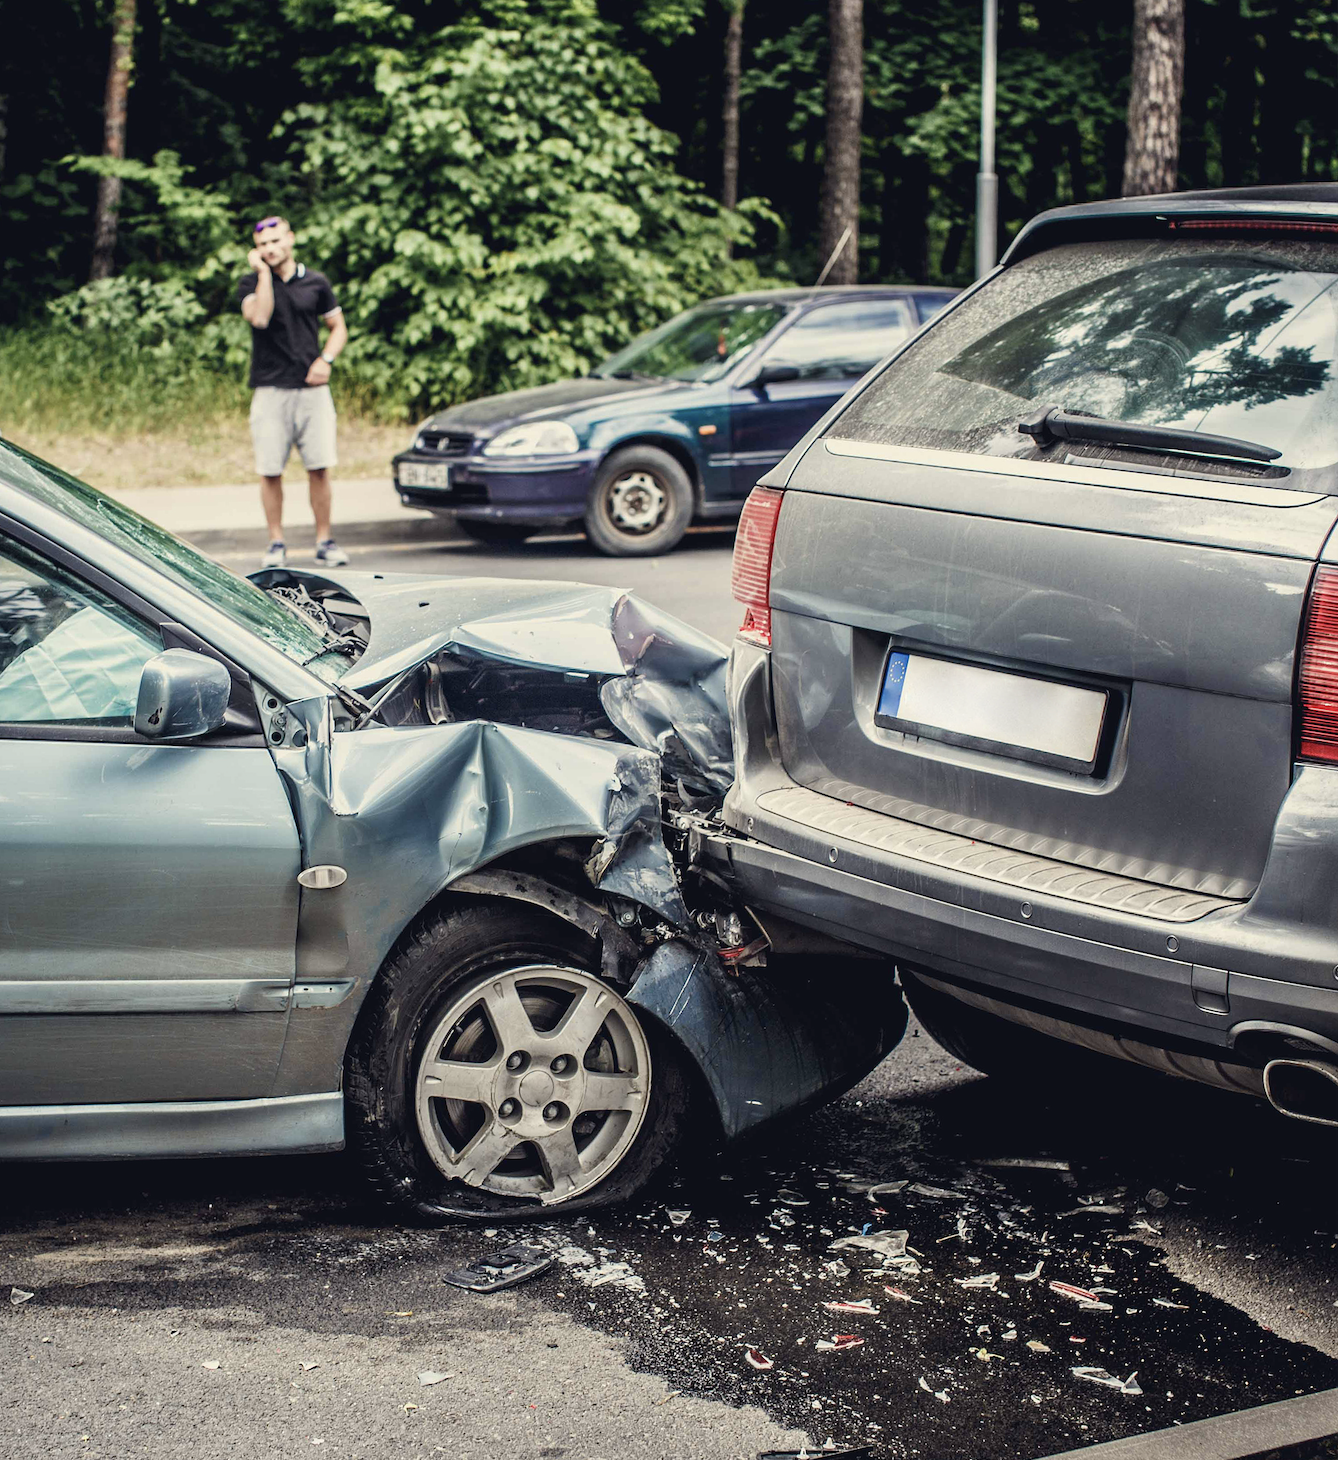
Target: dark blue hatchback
<point x="675" y="428"/>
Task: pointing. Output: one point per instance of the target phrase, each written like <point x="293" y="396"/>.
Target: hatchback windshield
<point x="1233" y="338"/>
<point x="699" y="345"/>
<point x="283" y="628"/>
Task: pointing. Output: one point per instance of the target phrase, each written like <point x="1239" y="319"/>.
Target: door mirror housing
<point x="182" y="695"/>
<point x="774" y="375"/>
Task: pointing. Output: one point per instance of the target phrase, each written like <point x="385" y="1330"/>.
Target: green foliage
<point x="498" y="211"/>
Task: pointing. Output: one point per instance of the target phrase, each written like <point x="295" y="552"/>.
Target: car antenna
<point x="832" y="258"/>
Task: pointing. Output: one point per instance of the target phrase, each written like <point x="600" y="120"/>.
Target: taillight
<point x="1317" y="681"/>
<point x="752" y="562"/>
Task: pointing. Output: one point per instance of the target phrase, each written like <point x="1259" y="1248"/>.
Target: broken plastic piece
<point x="431" y="1376"/>
<point x="941" y="1193"/>
<point x="678" y="1218"/>
<point x="900" y="1296"/>
<point x="838" y="1342"/>
<point x="885" y="1188"/>
<point x="827" y="1452"/>
<point x="1156" y="1199"/>
<point x="758" y="1360"/>
<point x="979" y="1280"/>
<point x="1030" y="1277"/>
<point x="1110" y="1381"/>
<point x="940" y="1394"/>
<point x="853" y="1305"/>
<point x="1166" y="1303"/>
<point x="515" y="1264"/>
<point x="1037" y="1347"/>
<point x="1026" y="1163"/>
<point x="1088" y="1301"/>
<point x="19" y="1296"/>
<point x="888" y="1245"/>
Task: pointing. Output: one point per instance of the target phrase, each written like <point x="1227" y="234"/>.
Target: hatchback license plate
<point x="992" y="709"/>
<point x="425" y="474"/>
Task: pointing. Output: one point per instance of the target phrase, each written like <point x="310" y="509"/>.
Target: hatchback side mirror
<point x="182" y="695"/>
<point x="774" y="374"/>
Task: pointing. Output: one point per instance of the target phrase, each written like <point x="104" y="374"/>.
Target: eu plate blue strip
<point x="889" y="702"/>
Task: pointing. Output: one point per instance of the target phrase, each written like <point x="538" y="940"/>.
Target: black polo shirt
<point x="282" y="354"/>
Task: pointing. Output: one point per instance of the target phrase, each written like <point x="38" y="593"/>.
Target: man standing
<point x="291" y="404"/>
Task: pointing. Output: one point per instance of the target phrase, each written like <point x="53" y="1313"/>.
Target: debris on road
<point x="1166" y="1303"/>
<point x="678" y="1218"/>
<point x="1025" y="1163"/>
<point x="758" y="1360"/>
<point x="988" y="1280"/>
<point x="1037" y="1347"/>
<point x="1111" y="1381"/>
<point x="939" y="1193"/>
<point x="828" y="1452"/>
<point x="515" y="1264"/>
<point x="888" y="1245"/>
<point x="940" y="1394"/>
<point x="1030" y="1277"/>
<point x="838" y="1342"/>
<point x="433" y="1376"/>
<point x="19" y="1296"/>
<point x="852" y="1305"/>
<point x="209" y="1364"/>
<point x="1156" y="1199"/>
<point x="307" y="1365"/>
<point x="900" y="1296"/>
<point x="1092" y="1302"/>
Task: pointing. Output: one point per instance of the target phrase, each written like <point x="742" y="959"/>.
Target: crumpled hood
<point x="490" y="413"/>
<point x="661" y="682"/>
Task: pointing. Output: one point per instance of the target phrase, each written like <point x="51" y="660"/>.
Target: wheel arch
<point x="671" y="445"/>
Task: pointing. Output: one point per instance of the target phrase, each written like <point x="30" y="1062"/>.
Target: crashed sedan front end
<point x="519" y="969"/>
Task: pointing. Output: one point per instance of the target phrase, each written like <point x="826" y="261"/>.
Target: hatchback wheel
<point x="641" y="503"/>
<point x="492" y="1071"/>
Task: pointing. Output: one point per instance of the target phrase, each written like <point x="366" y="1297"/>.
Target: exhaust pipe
<point x="1303" y="1089"/>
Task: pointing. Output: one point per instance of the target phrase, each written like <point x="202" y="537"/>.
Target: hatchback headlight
<point x="539" y="438"/>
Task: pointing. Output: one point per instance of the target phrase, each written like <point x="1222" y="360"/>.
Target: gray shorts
<point x="282" y="419"/>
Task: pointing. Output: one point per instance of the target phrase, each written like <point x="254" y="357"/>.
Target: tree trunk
<point x="1152" y="153"/>
<point x="839" y="207"/>
<point x="113" y="138"/>
<point x="729" y="173"/>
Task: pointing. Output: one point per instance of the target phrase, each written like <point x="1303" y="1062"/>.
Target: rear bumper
<point x="1231" y="979"/>
<point x="540" y="492"/>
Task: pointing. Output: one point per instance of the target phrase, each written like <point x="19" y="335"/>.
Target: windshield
<point x="278" y="625"/>
<point x="699" y="345"/>
<point x="1232" y="338"/>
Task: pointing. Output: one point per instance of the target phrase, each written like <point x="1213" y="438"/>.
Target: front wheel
<point x="492" y="1072"/>
<point x="641" y="503"/>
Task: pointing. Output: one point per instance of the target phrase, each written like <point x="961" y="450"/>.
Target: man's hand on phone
<point x="255" y="261"/>
<point x="319" y="372"/>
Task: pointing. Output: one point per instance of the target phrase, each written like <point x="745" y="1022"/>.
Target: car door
<point x="828" y="350"/>
<point x="148" y="894"/>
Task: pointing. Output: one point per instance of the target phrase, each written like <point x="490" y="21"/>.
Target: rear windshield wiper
<point x="1054" y="423"/>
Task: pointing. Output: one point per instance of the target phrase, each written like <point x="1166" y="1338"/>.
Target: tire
<point x="495" y="534"/>
<point x="997" y="1046"/>
<point x="641" y="503"/>
<point x="456" y="981"/>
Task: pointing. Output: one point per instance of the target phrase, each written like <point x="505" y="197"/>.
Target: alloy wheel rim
<point x="637" y="502"/>
<point x="534" y="1082"/>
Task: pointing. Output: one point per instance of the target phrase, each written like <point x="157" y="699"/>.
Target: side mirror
<point x="774" y="374"/>
<point x="182" y="695"/>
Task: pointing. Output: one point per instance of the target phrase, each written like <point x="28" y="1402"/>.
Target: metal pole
<point x="987" y="180"/>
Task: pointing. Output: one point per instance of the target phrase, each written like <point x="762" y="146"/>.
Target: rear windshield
<point x="1235" y="338"/>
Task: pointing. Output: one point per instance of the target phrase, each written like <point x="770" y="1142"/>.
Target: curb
<point x="400" y="529"/>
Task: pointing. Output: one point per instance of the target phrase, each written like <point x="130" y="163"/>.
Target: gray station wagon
<point x="1037" y="688"/>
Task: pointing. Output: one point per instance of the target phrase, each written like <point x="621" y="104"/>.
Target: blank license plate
<point x="992" y="709"/>
<point x="424" y="474"/>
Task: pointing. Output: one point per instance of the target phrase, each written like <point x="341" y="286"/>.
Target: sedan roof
<point x="1301" y="204"/>
<point x="827" y="292"/>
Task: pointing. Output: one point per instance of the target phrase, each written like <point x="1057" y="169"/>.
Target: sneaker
<point x="330" y="553"/>
<point x="276" y="556"/>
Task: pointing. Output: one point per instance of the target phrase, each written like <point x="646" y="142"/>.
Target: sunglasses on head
<point x="267" y="223"/>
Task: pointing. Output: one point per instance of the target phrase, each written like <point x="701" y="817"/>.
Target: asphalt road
<point x="262" y="1308"/>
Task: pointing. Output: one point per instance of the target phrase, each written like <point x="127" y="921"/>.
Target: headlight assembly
<point x="538" y="438"/>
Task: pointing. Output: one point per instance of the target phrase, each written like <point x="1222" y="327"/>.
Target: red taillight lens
<point x="752" y="562"/>
<point x="1317" y="681"/>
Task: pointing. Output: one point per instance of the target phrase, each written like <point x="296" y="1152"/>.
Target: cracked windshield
<point x="669" y="730"/>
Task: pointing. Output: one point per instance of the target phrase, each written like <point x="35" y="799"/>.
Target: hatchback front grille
<point x="445" y="443"/>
